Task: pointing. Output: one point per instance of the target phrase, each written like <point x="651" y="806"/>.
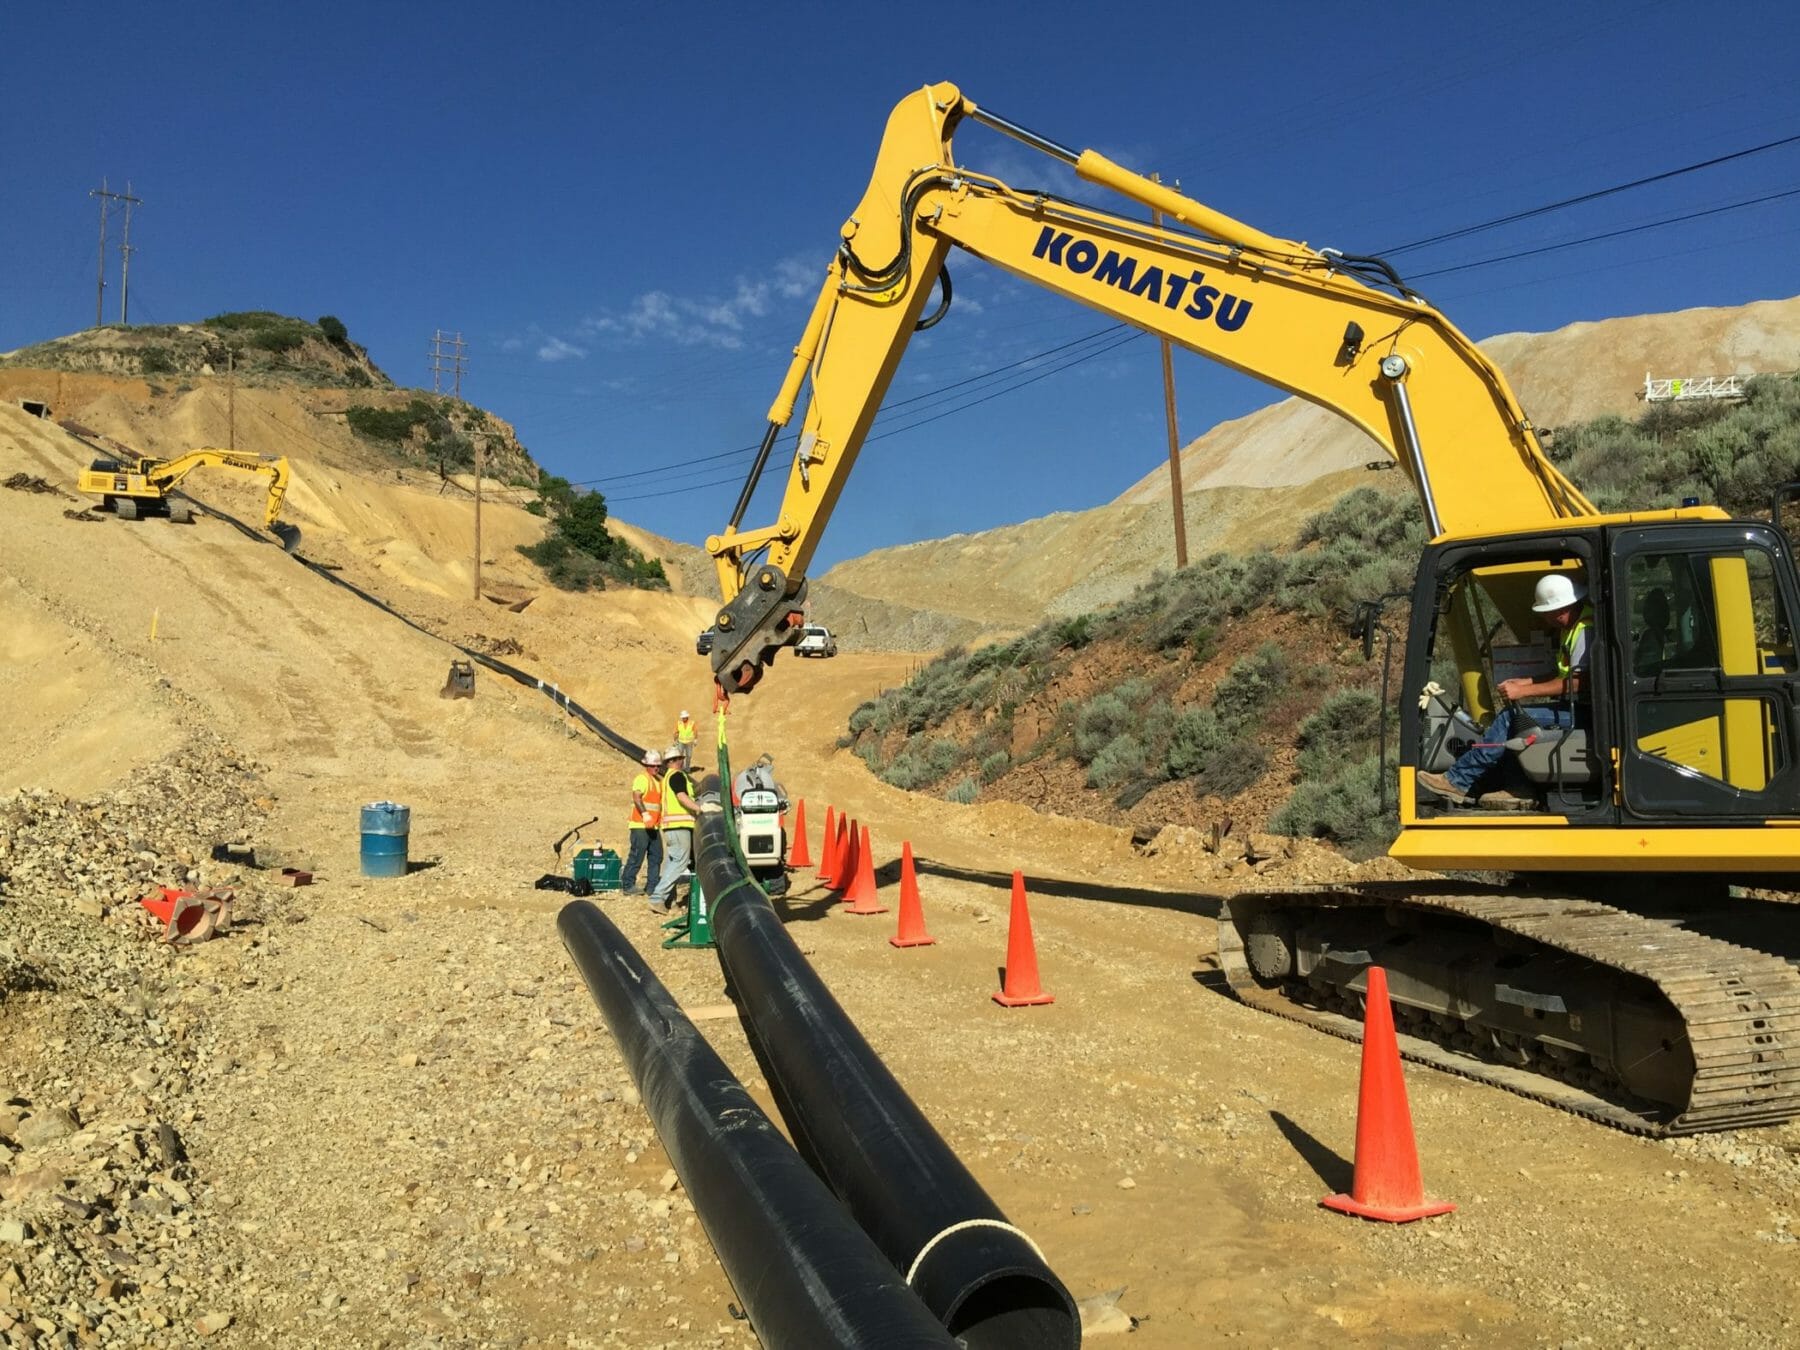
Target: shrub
<point x="1343" y="728"/>
<point x="1343" y="807"/>
<point x="386" y="424"/>
<point x="1106" y="715"/>
<point x="1075" y="633"/>
<point x="921" y="764"/>
<point x="994" y="765"/>
<point x="333" y="329"/>
<point x="1119" y="759"/>
<point x="964" y="792"/>
<point x="1237" y="766"/>
<point x="156" y="361"/>
<point x="862" y="717"/>
<point x="1251" y="685"/>
<point x="1195" y="741"/>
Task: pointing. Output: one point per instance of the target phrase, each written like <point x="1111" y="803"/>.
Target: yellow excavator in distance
<point x="1605" y="976"/>
<point x="143" y="485"/>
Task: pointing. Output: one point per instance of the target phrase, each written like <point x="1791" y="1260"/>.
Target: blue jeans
<point x="1474" y="763"/>
<point x="678" y="853"/>
<point x="646" y="845"/>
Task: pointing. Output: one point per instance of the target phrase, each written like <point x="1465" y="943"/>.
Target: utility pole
<point x="447" y="359"/>
<point x="480" y="464"/>
<point x="106" y="201"/>
<point x="231" y="398"/>
<point x="1168" y="369"/>
<point x="125" y="252"/>
<point x="100" y="284"/>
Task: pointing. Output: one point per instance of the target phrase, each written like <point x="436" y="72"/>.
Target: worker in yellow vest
<point x="678" y="812"/>
<point x="687" y="732"/>
<point x="643" y="827"/>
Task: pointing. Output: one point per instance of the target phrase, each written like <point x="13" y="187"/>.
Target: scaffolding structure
<point x="1683" y="388"/>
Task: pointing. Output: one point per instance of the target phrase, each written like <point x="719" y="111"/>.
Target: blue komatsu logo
<point x="1168" y="289"/>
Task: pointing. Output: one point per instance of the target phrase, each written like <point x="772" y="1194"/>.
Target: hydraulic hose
<point x="808" y="1276"/>
<point x="986" y="1281"/>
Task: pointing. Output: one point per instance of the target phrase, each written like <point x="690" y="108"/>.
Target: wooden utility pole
<point x="100" y="283"/>
<point x="125" y="252"/>
<point x="1168" y="366"/>
<point x="480" y="463"/>
<point x="230" y="399"/>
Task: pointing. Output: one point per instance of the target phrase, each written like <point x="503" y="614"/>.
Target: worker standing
<point x="646" y="818"/>
<point x="686" y="734"/>
<point x="678" y="811"/>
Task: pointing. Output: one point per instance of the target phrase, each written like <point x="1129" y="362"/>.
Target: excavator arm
<point x="168" y="474"/>
<point x="1338" y="330"/>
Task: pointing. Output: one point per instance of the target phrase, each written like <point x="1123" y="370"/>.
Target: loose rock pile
<point x="104" y="1231"/>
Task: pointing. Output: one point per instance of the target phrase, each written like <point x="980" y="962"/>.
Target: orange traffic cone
<point x="862" y="896"/>
<point x="1387" y="1184"/>
<point x="827" y="851"/>
<point x="799" y="855"/>
<point x="912" y="915"/>
<point x="843" y="876"/>
<point x="1021" y="988"/>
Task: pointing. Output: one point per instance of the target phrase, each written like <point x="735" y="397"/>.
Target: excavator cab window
<point x="1711" y="713"/>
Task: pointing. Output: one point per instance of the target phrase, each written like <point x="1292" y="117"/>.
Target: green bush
<point x="921" y="764"/>
<point x="1251" y="685"/>
<point x="387" y="424"/>
<point x="1106" y="715"/>
<point x="1343" y="807"/>
<point x="994" y="765"/>
<point x="1195" y="741"/>
<point x="964" y="792"/>
<point x="156" y="361"/>
<point x="1120" y="759"/>
<point x="1075" y="633"/>
<point x="333" y="329"/>
<point x="1344" y="727"/>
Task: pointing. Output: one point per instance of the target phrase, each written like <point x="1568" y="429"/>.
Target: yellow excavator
<point x="1604" y="975"/>
<point x="142" y="485"/>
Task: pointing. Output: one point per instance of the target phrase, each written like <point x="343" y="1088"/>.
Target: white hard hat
<point x="652" y="759"/>
<point x="675" y="752"/>
<point x="685" y="713"/>
<point x="1556" y="591"/>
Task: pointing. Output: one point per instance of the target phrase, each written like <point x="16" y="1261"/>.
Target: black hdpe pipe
<point x="808" y="1276"/>
<point x="984" y="1279"/>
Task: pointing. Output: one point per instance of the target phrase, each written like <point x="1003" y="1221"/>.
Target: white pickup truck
<point x="816" y="640"/>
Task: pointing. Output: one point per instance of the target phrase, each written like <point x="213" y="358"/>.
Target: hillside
<point x="1250" y="481"/>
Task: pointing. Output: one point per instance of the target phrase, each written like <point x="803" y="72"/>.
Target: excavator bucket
<point x="289" y="535"/>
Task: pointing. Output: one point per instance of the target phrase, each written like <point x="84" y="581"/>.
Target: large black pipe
<point x="808" y="1276"/>
<point x="984" y="1279"/>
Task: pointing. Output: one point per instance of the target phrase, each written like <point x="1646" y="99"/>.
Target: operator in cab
<point x="1561" y="598"/>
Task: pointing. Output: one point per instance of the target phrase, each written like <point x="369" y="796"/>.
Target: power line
<point x="1587" y="197"/>
<point x="1606" y="234"/>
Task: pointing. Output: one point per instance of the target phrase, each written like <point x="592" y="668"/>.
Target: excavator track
<point x="1564" y="1000"/>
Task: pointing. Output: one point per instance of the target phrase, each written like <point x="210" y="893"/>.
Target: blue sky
<point x="624" y="210"/>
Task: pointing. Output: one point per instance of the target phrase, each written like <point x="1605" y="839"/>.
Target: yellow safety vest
<point x="675" y="816"/>
<point x="1567" y="647"/>
<point x="647" y="818"/>
<point x="686" y="733"/>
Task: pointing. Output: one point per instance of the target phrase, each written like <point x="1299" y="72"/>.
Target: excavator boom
<point x="1339" y="331"/>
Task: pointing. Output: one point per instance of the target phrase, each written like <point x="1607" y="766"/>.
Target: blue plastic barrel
<point x="385" y="826"/>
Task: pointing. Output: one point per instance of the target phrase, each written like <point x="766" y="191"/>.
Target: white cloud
<point x="512" y="344"/>
<point x="555" y="349"/>
<point x="707" y="321"/>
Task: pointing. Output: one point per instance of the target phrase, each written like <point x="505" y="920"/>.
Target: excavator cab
<point x="1689" y="706"/>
